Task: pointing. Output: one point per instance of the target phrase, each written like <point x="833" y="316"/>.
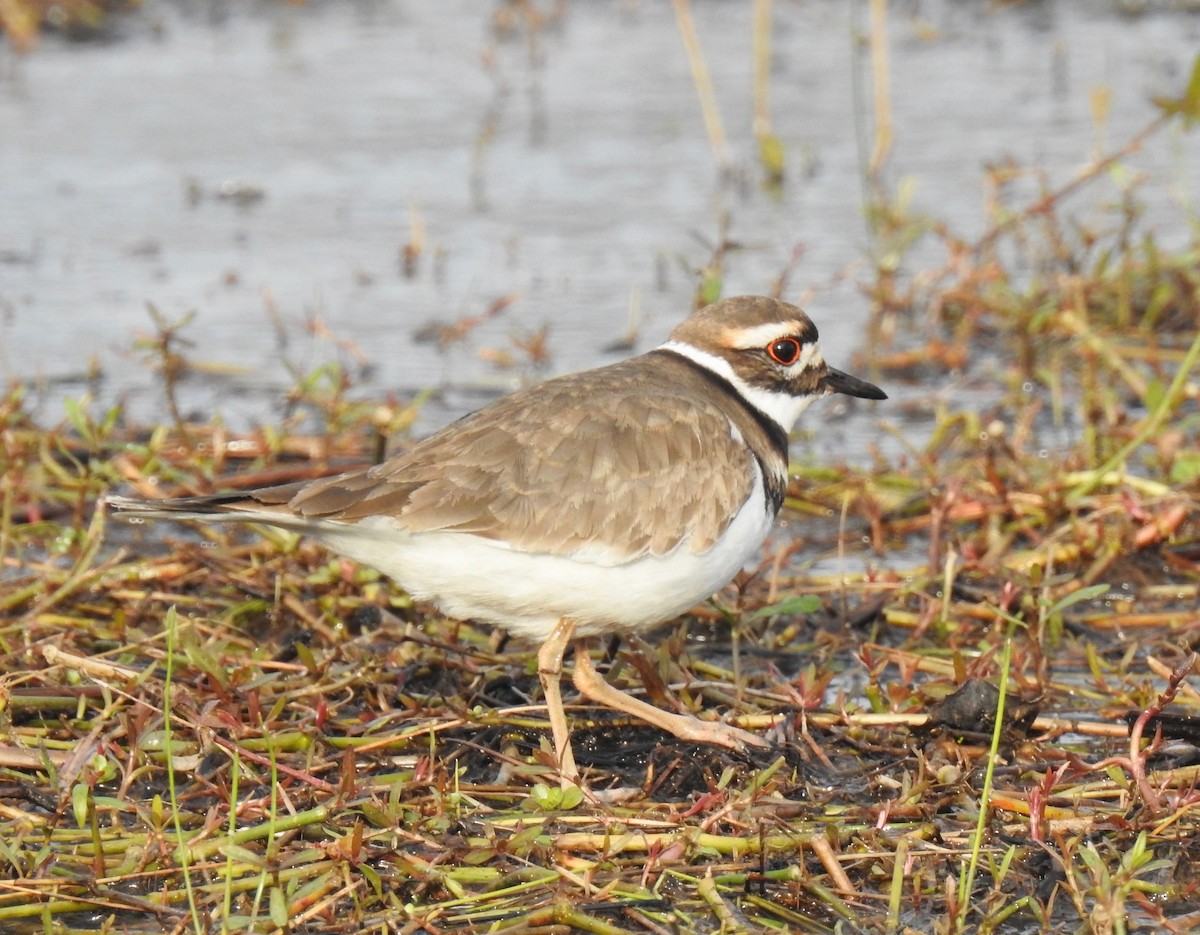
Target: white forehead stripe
<point x="782" y="408"/>
<point x="810" y="356"/>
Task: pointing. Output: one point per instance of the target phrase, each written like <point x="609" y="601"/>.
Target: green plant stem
<point x="181" y="851"/>
<point x="968" y="881"/>
<point x="1150" y="426"/>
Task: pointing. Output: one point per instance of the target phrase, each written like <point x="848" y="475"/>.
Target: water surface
<point x="565" y="166"/>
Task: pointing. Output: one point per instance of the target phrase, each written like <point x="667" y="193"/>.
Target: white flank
<point x="782" y="408"/>
<point x="527" y="593"/>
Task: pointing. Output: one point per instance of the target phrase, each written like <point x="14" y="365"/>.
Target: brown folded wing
<point x="629" y="460"/>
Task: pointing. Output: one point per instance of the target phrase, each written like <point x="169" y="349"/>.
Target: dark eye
<point x="784" y="351"/>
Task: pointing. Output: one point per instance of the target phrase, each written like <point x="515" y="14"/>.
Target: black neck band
<point x="774" y="431"/>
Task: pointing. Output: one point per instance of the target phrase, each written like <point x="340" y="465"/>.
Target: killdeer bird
<point x="599" y="502"/>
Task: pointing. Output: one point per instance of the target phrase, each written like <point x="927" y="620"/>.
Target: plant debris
<point x="982" y="718"/>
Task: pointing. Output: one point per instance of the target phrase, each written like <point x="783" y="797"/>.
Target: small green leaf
<point x="572" y="797"/>
<point x="771" y="154"/>
<point x="1187" y="105"/>
<point x="524" y="840"/>
<point x="710" y="288"/>
<point x="1153" y="395"/>
<point x="376" y="816"/>
<point x="1095" y="862"/>
<point x="1095" y="591"/>
<point x="790" y="606"/>
<point x="80" y="794"/>
<point x="545" y="798"/>
<point x="305" y="655"/>
<point x="109" y="422"/>
<point x="1185" y="468"/>
<point x="279" y="907"/>
<point x="242" y="854"/>
<point x="110" y="802"/>
<point x="77" y="416"/>
<point x="372" y="878"/>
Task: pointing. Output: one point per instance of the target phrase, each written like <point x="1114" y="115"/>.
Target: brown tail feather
<point x="246" y="506"/>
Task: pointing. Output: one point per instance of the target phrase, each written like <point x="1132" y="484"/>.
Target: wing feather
<point x="631" y="460"/>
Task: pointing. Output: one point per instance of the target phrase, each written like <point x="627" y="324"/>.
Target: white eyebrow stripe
<point x="762" y="335"/>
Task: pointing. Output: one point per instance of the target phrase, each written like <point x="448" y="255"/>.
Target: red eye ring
<point x="785" y="351"/>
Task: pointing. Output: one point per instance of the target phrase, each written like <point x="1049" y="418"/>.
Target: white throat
<point x="782" y="408"/>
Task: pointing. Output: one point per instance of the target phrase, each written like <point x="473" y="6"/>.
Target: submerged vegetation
<point x="985" y="719"/>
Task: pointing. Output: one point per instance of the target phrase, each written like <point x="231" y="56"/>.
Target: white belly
<point x="470" y="577"/>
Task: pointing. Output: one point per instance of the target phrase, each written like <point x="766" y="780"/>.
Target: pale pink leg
<point x="550" y="666"/>
<point x="684" y="726"/>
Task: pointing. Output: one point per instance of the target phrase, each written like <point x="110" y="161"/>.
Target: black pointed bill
<point x="837" y="382"/>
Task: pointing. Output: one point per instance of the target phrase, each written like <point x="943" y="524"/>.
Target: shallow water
<point x="569" y="169"/>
